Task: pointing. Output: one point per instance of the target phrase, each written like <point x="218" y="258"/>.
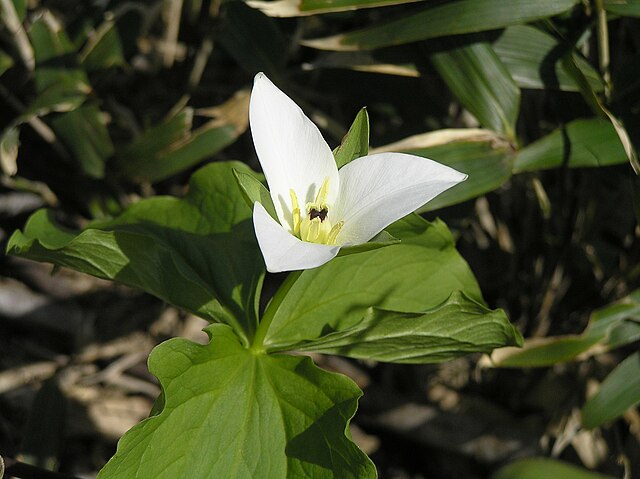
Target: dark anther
<point x="322" y="214"/>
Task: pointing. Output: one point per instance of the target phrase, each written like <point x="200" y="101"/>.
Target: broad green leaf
<point x="581" y="143"/>
<point x="540" y="468"/>
<point x="534" y="59"/>
<point x="84" y="132"/>
<point x="253" y="40"/>
<point x="456" y="327"/>
<point x="356" y="142"/>
<point x="103" y="48"/>
<point x="482" y="154"/>
<point x="414" y="275"/>
<point x="619" y="391"/>
<point x="626" y="8"/>
<point x="477" y="77"/>
<point x="6" y="62"/>
<point x="451" y="18"/>
<point x="198" y="253"/>
<point x="299" y="8"/>
<point x="9" y="143"/>
<point x="610" y="327"/>
<point x="229" y="412"/>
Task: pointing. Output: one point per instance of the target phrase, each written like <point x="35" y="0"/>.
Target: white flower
<point x="319" y="208"/>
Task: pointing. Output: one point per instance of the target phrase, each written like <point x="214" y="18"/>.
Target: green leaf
<point x="253" y="40"/>
<point x="231" y="413"/>
<point x="103" y="48"/>
<point x="610" y="327"/>
<point x="451" y="18"/>
<point x="619" y="392"/>
<point x="299" y="8"/>
<point x="534" y="59"/>
<point x="477" y="77"/>
<point x="458" y="326"/>
<point x="380" y="240"/>
<point x="356" y="142"/>
<point x="414" y="275"/>
<point x="54" y="53"/>
<point x="626" y="8"/>
<point x="198" y="253"/>
<point x="539" y="468"/>
<point x="66" y="95"/>
<point x="171" y="146"/>
<point x="581" y="143"/>
<point x="84" y="132"/>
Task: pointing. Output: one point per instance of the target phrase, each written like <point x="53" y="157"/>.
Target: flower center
<point x="315" y="226"/>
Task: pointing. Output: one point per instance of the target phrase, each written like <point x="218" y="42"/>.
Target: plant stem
<point x="603" y="47"/>
<point x="272" y="308"/>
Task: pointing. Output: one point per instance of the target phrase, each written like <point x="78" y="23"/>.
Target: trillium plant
<point x="369" y="280"/>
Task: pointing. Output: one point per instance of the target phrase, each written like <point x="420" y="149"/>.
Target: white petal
<point x="379" y="189"/>
<point x="290" y="148"/>
<point x="284" y="252"/>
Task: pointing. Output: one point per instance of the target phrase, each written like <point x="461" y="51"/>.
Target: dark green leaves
<point x="198" y="253"/>
<point x="231" y="413"/>
<point x="454" y="328"/>
<point x="619" y="391"/>
<point x="451" y="18"/>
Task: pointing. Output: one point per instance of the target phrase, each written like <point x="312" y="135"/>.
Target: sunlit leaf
<point x="619" y="391"/>
<point x="299" y="8"/>
<point x="451" y="18"/>
<point x="415" y="275"/>
<point x="581" y="143"/>
<point x="609" y="327"/>
<point x="231" y="413"/>
<point x="198" y="253"/>
<point x="534" y="59"/>
<point x="171" y="146"/>
<point x="103" y="48"/>
<point x="356" y="142"/>
<point x="477" y="77"/>
<point x="627" y="8"/>
<point x="458" y="326"/>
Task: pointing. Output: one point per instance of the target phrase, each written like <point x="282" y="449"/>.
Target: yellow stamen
<point x="295" y="211"/>
<point x="333" y="234"/>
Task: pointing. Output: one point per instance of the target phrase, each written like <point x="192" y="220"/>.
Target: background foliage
<point x="105" y="103"/>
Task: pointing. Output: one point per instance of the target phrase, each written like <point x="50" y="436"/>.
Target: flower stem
<point x="272" y="308"/>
